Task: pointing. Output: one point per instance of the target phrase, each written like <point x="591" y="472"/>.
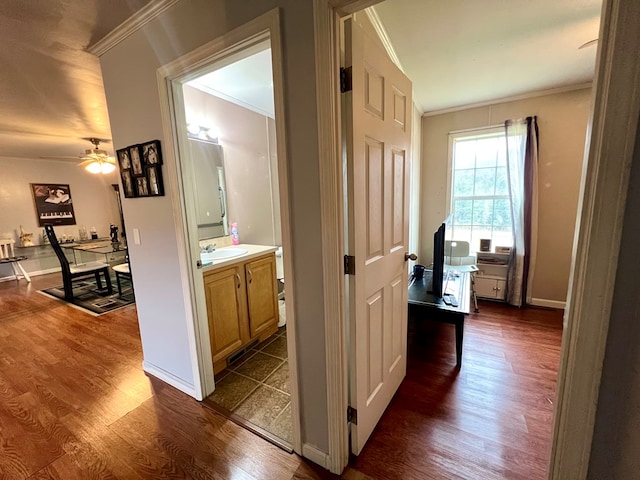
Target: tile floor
<point x="256" y="388"/>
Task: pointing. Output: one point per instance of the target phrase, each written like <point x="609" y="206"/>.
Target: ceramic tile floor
<point x="256" y="388"/>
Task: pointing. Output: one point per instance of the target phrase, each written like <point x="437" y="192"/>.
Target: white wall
<point x="562" y="121"/>
<point x="247" y="143"/>
<point x="93" y="199"/>
<point x="129" y="71"/>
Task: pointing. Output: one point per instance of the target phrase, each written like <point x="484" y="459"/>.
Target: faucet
<point x="208" y="248"/>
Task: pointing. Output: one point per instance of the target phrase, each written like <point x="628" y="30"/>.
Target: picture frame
<point x="151" y="153"/>
<point x="127" y="184"/>
<point x="142" y="186"/>
<point x="136" y="161"/>
<point x="53" y="204"/>
<point x="154" y="181"/>
<point x="124" y="160"/>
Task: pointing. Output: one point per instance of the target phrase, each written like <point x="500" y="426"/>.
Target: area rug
<point x="87" y="296"/>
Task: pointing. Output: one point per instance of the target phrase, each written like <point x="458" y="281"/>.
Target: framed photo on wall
<point x="127" y="184"/>
<point x="136" y="161"/>
<point x="154" y="179"/>
<point x="53" y="204"/>
<point x="151" y="154"/>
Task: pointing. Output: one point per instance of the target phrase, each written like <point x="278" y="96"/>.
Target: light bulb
<point x="107" y="167"/>
<point x="94" y="167"/>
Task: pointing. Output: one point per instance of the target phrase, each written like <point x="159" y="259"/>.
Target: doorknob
<point x="410" y="256"/>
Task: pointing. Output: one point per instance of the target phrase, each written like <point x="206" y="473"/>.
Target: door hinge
<point x="349" y="265"/>
<point x="352" y="415"/>
<point x="345" y="80"/>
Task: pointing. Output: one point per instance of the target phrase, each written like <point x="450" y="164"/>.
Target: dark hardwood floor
<point x="75" y="403"/>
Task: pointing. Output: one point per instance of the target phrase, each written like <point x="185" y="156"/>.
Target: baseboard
<point x="31" y="274"/>
<point x="541" y="302"/>
<point x="170" y="378"/>
<point x="316" y="456"/>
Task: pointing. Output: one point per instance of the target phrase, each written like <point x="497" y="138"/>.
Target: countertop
<point x="253" y="251"/>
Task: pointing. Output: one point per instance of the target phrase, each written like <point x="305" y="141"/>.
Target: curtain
<point x="522" y="171"/>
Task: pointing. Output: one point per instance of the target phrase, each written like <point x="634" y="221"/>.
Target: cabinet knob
<point x="238" y="282"/>
<point x="250" y="275"/>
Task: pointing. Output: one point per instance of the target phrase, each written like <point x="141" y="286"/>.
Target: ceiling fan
<point x="588" y="44"/>
<point x="97" y="160"/>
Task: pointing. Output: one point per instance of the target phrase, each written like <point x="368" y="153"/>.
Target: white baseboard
<point x="32" y="274"/>
<point x="170" y="378"/>
<point x="316" y="456"/>
<point x="541" y="302"/>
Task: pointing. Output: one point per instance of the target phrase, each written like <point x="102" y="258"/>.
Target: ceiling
<point x="51" y="90"/>
<point x="457" y="52"/>
<point x="460" y="52"/>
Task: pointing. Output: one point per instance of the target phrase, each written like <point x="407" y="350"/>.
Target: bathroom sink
<point x="222" y="254"/>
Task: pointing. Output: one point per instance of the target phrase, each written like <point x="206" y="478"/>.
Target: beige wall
<point x="94" y="202"/>
<point x="129" y="72"/>
<point x="562" y="120"/>
<point x="248" y="145"/>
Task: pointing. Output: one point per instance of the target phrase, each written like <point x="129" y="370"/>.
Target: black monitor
<point x="437" y="278"/>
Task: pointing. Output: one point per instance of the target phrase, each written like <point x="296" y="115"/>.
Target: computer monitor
<point x="436" y="287"/>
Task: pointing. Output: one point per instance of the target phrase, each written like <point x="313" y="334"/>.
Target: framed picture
<point x="142" y="187"/>
<point x="53" y="204"/>
<point x="154" y="180"/>
<point x="151" y="154"/>
<point x="136" y="161"/>
<point x="124" y="160"/>
<point x="127" y="184"/>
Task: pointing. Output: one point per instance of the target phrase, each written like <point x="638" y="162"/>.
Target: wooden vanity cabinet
<point x="242" y="305"/>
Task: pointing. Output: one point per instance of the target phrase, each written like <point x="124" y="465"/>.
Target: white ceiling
<point x="457" y="52"/>
<point x="460" y="52"/>
<point x="51" y="90"/>
<point x="247" y="82"/>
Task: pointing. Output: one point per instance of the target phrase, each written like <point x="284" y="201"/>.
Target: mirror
<point x="210" y="189"/>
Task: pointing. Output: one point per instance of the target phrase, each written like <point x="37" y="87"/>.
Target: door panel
<point x="378" y="139"/>
<point x="262" y="296"/>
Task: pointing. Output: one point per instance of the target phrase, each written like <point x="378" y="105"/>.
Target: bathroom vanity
<point x="242" y="301"/>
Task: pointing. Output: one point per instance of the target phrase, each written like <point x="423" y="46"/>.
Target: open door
<point x="378" y="140"/>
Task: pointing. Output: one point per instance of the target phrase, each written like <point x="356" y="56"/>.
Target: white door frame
<point x="609" y="149"/>
<point x="170" y="79"/>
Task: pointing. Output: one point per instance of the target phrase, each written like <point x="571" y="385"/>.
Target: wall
<point x="616" y="435"/>
<point x="134" y="112"/>
<point x="247" y="143"/>
<point x="93" y="198"/>
<point x="562" y="120"/>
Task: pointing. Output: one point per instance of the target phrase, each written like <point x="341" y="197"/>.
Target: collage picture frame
<point x="141" y="170"/>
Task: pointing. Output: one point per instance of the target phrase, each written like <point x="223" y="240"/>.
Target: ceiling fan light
<point x="94" y="167"/>
<point x="107" y="167"/>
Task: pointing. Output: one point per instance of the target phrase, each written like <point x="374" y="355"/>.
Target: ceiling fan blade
<point x="588" y="44"/>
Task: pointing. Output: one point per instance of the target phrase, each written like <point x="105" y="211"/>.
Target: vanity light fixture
<point x="201" y="132"/>
<point x="97" y="160"/>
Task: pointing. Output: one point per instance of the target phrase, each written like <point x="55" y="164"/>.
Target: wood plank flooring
<point x="75" y="403"/>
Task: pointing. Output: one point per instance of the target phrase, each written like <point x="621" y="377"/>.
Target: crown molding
<point x="524" y="96"/>
<point x="384" y="37"/>
<point x="131" y="25"/>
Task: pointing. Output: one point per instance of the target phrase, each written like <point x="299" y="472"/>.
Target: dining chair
<point x="7" y="255"/>
<point x="457" y="257"/>
<point x="78" y="271"/>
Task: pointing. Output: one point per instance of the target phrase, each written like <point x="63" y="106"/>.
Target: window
<point x="480" y="203"/>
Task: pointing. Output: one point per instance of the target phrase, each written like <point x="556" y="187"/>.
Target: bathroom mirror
<point x="210" y="189"/>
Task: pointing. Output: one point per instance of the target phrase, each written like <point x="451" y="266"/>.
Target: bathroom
<point x="232" y="136"/>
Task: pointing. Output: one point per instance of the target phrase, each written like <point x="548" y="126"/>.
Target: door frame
<point x="170" y="78"/>
<point x="609" y="148"/>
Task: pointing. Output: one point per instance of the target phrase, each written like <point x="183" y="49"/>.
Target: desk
<point x="423" y="303"/>
<point x="111" y="254"/>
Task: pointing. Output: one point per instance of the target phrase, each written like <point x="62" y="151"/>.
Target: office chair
<point x="456" y="254"/>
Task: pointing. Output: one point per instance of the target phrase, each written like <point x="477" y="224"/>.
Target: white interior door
<point x="378" y="140"/>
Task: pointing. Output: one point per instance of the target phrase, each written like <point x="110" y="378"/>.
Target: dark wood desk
<point x="422" y="303"/>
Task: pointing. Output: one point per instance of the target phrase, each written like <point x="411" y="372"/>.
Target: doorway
<point x="226" y="109"/>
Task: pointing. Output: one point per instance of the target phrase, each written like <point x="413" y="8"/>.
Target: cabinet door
<point x="226" y="311"/>
<point x="485" y="287"/>
<point x="262" y="296"/>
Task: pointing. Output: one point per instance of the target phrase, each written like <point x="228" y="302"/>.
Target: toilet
<point x="280" y="276"/>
